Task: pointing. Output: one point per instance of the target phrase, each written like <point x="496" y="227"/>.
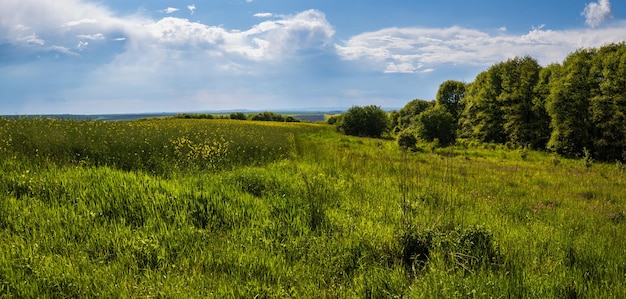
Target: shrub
<point x="368" y="121"/>
<point x="268" y="116"/>
<point x="416" y="246"/>
<point x="407" y="140"/>
<point x="238" y="115"/>
<point x="436" y="123"/>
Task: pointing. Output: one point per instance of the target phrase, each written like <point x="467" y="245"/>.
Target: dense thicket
<point x="570" y="108"/>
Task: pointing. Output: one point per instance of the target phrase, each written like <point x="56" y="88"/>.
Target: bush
<point x="416" y="247"/>
<point x="333" y="120"/>
<point x="238" y="115"/>
<point x="436" y="123"/>
<point x="407" y="140"/>
<point x="368" y="121"/>
<point x="268" y="116"/>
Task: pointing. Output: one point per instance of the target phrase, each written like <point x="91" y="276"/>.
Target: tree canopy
<point x="368" y="121"/>
<point x="571" y="108"/>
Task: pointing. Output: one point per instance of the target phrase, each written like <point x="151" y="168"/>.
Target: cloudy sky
<point x="132" y="56"/>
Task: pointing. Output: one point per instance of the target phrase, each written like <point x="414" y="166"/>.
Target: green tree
<point x="368" y="121"/>
<point x="268" y="116"/>
<point x="542" y="129"/>
<point x="394" y="121"/>
<point x="519" y="76"/>
<point x="450" y="95"/>
<point x="409" y="111"/>
<point x="568" y="105"/>
<point x="238" y="115"/>
<point x="436" y="123"/>
<point x="483" y="118"/>
<point x="608" y="102"/>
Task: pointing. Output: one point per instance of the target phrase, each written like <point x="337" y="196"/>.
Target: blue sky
<point x="134" y="56"/>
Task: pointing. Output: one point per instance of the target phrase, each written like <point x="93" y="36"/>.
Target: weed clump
<point x="467" y="249"/>
<point x="407" y="140"/>
<point x="416" y="248"/>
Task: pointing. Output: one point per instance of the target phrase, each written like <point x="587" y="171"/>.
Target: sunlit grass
<point x="219" y="208"/>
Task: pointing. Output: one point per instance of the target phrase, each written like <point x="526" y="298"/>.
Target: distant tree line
<point x="572" y="108"/>
<point x="262" y="116"/>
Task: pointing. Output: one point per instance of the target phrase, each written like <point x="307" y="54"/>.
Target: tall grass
<point x="218" y="208"/>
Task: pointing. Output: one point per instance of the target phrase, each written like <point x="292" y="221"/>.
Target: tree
<point x="436" y="123"/>
<point x="483" y="118"/>
<point x="519" y="76"/>
<point x="568" y="105"/>
<point x="238" y="115"/>
<point x="608" y="102"/>
<point x="409" y="111"/>
<point x="450" y="96"/>
<point x="368" y="121"/>
<point x="547" y="77"/>
<point x="268" y="116"/>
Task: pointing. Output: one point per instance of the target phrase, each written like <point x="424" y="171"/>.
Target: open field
<point x="180" y="208"/>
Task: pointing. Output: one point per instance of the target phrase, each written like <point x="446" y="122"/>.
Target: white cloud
<point x="97" y="36"/>
<point x="263" y="15"/>
<point x="192" y="8"/>
<point x="405" y="50"/>
<point x="400" y="68"/>
<point x="170" y="10"/>
<point x="31" y="39"/>
<point x="67" y="22"/>
<point x="63" y="50"/>
<point x="80" y="22"/>
<point x="82" y="45"/>
<point x="597" y="12"/>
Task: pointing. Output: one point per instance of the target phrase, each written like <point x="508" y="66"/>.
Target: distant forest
<point x="576" y="108"/>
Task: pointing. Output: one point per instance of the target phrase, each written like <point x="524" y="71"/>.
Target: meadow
<point x="184" y="208"/>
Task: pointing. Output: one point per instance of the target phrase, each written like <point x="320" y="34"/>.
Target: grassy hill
<point x="223" y="208"/>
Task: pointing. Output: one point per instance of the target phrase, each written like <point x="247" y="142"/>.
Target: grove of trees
<point x="574" y="108"/>
<point x="571" y="108"/>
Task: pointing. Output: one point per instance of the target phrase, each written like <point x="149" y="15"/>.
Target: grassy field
<point x="179" y="208"/>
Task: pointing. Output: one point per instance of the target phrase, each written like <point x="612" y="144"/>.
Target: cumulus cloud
<point x="407" y="50"/>
<point x="66" y="23"/>
<point x="170" y="10"/>
<point x="192" y="8"/>
<point x="597" y="12"/>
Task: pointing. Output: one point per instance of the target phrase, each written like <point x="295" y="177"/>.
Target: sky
<point x="152" y="56"/>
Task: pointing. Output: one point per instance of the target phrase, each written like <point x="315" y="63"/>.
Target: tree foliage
<point x="483" y="118"/>
<point x="587" y="104"/>
<point x="436" y="123"/>
<point x="238" y="115"/>
<point x="450" y="96"/>
<point x="368" y="121"/>
<point x="572" y="108"/>
<point x="405" y="116"/>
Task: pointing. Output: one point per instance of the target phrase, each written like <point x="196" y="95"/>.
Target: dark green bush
<point x="407" y="140"/>
<point x="368" y="121"/>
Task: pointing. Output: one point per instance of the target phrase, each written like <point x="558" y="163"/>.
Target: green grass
<point x="218" y="208"/>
